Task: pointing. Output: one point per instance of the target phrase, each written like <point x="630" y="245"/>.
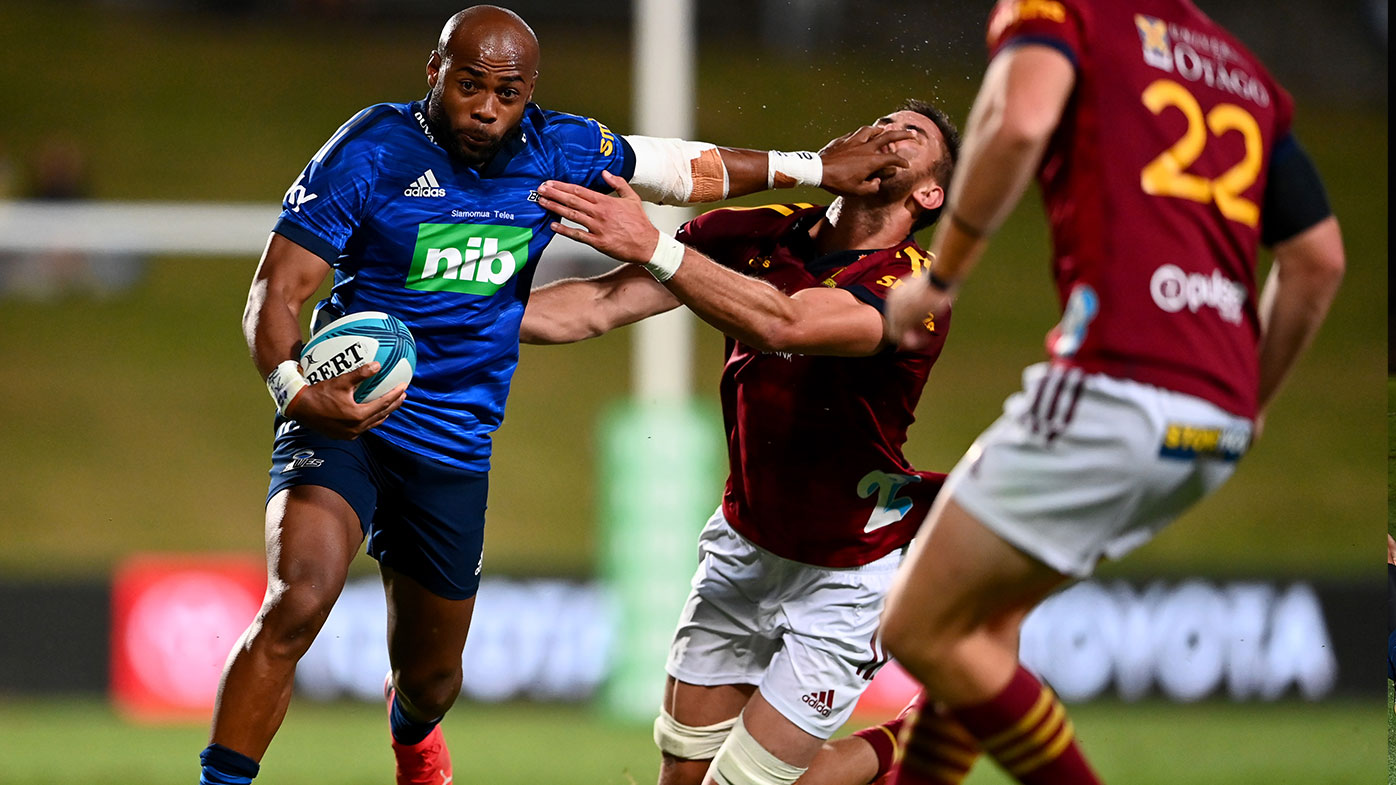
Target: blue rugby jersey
<point x="448" y="249"/>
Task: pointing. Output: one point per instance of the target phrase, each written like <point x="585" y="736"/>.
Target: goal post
<point x="661" y="458"/>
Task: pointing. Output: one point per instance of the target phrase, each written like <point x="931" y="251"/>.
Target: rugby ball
<point x="356" y="339"/>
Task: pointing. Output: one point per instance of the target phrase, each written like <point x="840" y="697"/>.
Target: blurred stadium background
<point x="138" y="427"/>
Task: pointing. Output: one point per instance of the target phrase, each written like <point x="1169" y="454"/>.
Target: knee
<point x="292" y="614"/>
<point x="430" y="693"/>
<point x="681" y="742"/>
<point x="915" y="641"/>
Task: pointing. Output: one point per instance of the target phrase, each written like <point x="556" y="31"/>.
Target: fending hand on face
<point x="853" y="162"/>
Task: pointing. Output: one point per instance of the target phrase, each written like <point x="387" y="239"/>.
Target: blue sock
<point x="405" y="729"/>
<point x="222" y="766"/>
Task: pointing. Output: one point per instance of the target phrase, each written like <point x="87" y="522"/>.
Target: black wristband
<point x="938" y="283"/>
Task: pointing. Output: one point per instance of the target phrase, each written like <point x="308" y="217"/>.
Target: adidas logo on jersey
<point x="425" y="185"/>
<point x="823" y="701"/>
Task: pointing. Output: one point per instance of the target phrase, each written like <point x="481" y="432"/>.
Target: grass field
<point x="59" y="743"/>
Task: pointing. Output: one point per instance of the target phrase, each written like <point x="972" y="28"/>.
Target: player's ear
<point x="433" y="68"/>
<point x="929" y="196"/>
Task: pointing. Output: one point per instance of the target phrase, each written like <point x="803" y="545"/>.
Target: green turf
<point x="1149" y="743"/>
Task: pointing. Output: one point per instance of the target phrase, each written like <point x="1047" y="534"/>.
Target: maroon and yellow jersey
<point x="1153" y="184"/>
<point x="814" y="443"/>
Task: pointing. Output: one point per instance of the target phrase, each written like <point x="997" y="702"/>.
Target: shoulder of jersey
<point x="766" y="219"/>
<point x="760" y="213"/>
<point x="371" y="125"/>
<point x="547" y="122"/>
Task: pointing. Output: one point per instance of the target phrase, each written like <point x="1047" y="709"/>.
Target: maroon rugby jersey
<point x="1153" y="184"/>
<point x="814" y="443"/>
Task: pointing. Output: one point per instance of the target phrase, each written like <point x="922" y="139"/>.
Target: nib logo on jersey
<point x="425" y="186"/>
<point x="467" y="258"/>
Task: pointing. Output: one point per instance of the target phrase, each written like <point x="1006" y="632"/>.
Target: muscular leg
<point x="426" y="635"/>
<point x="953" y="614"/>
<point x="952" y="620"/>
<point x="781" y="737"/>
<point x="697" y="706"/>
<point x="850" y="760"/>
<point x="311" y="535"/>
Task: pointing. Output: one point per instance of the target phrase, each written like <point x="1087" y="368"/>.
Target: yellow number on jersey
<point x="1167" y="174"/>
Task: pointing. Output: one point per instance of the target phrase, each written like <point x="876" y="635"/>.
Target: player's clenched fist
<point x="908" y="310"/>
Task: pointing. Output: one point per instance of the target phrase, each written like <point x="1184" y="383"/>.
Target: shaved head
<point x="481" y="75"/>
<point x="492" y="31"/>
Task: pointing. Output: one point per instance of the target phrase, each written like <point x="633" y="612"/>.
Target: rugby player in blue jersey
<point x="428" y="211"/>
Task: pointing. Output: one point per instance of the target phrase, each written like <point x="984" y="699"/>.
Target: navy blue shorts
<point x="421" y="517"/>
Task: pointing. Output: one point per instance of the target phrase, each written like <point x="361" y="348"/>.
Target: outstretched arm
<point x="575" y="309"/>
<point x="813" y="321"/>
<point x="674" y="171"/>
<point x="1018" y="107"/>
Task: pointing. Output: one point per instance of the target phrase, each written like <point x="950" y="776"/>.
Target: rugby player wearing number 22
<point x="428" y="211"/>
<point x="1165" y="157"/>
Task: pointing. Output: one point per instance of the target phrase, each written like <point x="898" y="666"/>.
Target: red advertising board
<point x="174" y="620"/>
<point x="891" y="690"/>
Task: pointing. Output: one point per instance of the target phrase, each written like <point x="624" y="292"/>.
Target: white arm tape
<point x="675" y="171"/>
<point x="789" y="170"/>
<point x="284" y="383"/>
<point x="665" y="260"/>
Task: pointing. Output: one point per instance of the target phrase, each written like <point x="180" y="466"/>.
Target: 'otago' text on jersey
<point x="814" y="443"/>
<point x="447" y="248"/>
<point x="1153" y="186"/>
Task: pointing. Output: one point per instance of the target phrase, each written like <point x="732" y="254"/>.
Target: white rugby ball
<point x="358" y="338"/>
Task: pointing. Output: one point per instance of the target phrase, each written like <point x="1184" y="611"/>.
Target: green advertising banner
<point x="662" y="468"/>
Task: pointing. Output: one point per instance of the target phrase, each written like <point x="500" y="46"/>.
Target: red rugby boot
<point x="427" y="762"/>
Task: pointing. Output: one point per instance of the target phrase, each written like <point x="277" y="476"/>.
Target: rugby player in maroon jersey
<point x="1165" y="158"/>
<point x="779" y="635"/>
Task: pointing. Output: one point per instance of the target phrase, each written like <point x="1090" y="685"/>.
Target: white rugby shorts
<point x="1084" y="466"/>
<point x="805" y="635"/>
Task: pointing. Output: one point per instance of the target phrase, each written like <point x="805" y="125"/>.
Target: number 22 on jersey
<point x="1167" y="174"/>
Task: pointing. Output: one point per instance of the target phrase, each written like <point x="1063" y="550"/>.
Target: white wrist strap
<point x="285" y="383"/>
<point x="668" y="255"/>
<point x="789" y="170"/>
